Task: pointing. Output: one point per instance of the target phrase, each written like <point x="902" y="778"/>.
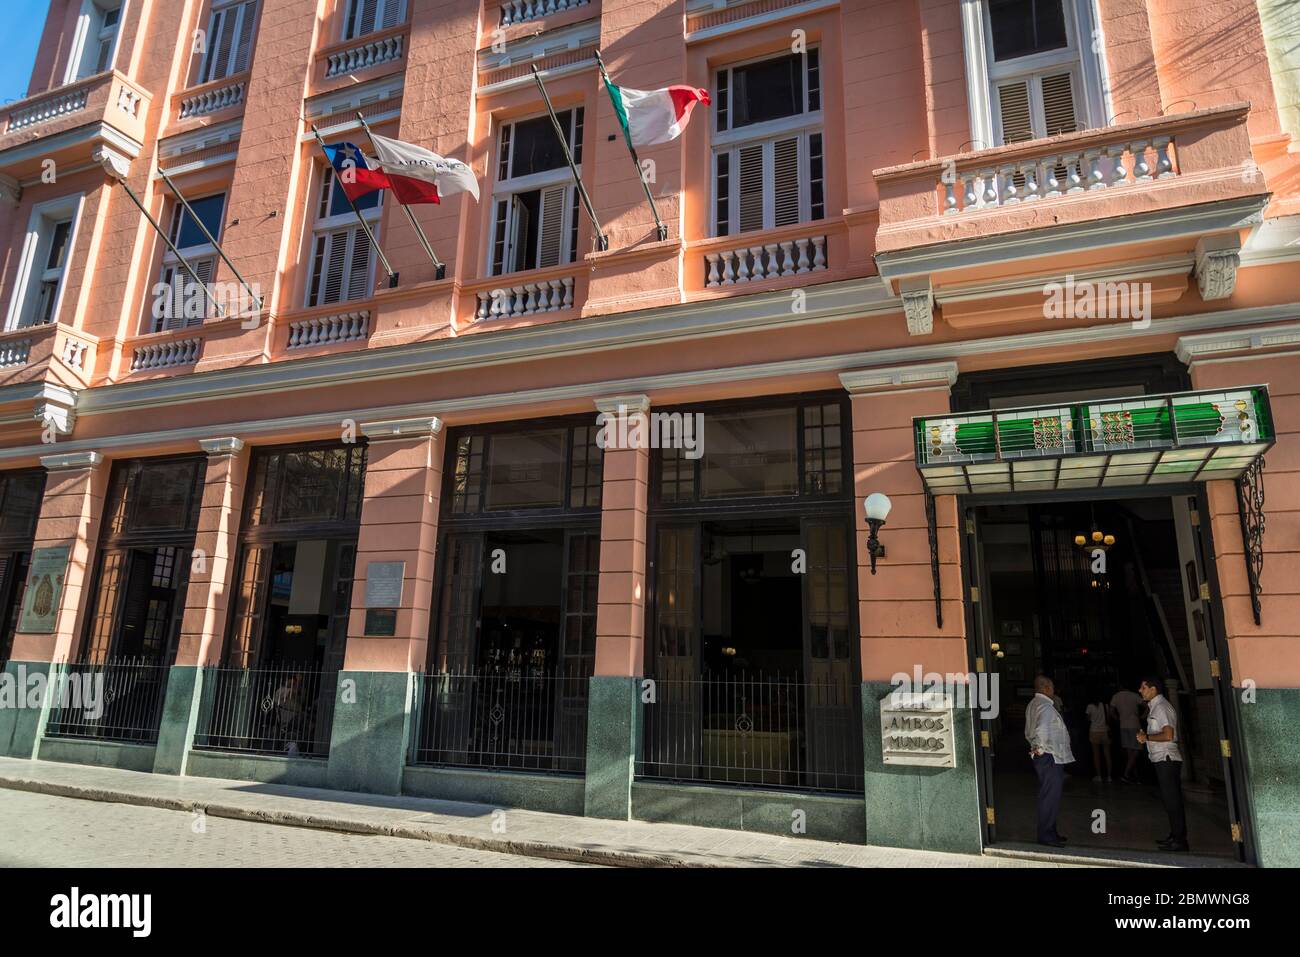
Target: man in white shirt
<point x="1161" y="739"/>
<point x="1127" y="704"/>
<point x="1049" y="749"/>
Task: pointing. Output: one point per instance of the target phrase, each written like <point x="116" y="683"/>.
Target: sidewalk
<point x="527" y="833"/>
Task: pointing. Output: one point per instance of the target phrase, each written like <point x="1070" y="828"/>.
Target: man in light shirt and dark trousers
<point x="1049" y="749"/>
<point x="1161" y="740"/>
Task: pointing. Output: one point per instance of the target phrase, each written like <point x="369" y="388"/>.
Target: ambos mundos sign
<point x="916" y="728"/>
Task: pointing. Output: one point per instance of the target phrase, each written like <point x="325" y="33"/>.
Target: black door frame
<point x="1238" y="793"/>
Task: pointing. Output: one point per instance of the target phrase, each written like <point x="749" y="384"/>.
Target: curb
<point x="542" y="849"/>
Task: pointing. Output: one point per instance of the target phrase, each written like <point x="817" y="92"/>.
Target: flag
<point x="359" y="177"/>
<point x="654" y="116"/>
<point x="400" y="159"/>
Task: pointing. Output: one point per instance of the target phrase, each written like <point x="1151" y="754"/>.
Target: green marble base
<point x="613" y="719"/>
<point x="21" y="725"/>
<point x="553" y="793"/>
<point x="368" y="739"/>
<point x="1272" y="761"/>
<point x="933" y="809"/>
<point x="104" y="754"/>
<point x="179" y="718"/>
<point x="821" y="817"/>
<point x="265" y="768"/>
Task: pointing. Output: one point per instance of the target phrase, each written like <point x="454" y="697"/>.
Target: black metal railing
<point x="515" y="723"/>
<point x="118" y="700"/>
<point x="276" y="710"/>
<point x="761" y="731"/>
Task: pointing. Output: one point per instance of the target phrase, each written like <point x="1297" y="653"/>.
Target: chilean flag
<point x="359" y="178"/>
<point x="654" y="116"/>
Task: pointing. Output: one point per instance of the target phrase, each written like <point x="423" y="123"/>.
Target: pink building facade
<point x="1028" y="268"/>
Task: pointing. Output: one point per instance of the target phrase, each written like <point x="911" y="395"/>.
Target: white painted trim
<point x="423" y="427"/>
<point x="611" y="404"/>
<point x="1191" y="348"/>
<point x="71" y="460"/>
<point x="865" y="381"/>
<point x="25" y="278"/>
<point x="758" y="20"/>
<point x="45" y="146"/>
<point x="228" y="445"/>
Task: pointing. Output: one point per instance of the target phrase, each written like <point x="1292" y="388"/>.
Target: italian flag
<point x="654" y="116"/>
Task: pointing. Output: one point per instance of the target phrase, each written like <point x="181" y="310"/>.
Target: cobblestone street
<point x="43" y="830"/>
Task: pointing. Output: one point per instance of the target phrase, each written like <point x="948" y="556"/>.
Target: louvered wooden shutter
<point x="500" y="225"/>
<point x="335" y="263"/>
<point x="359" y="267"/>
<point x="751" y="187"/>
<point x="785" y="181"/>
<point x="1058" y="104"/>
<point x="1013" y="109"/>
<point x="245" y="45"/>
<point x="392" y="13"/>
<point x="551" y="229"/>
<point x="223" y="40"/>
<point x="366" y="22"/>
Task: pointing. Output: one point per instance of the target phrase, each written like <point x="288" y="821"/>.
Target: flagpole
<point x="438" y="264"/>
<point x="601" y="242"/>
<point x="220" y="252"/>
<point x="172" y="246"/>
<point x="392" y="276"/>
<point x="627" y="138"/>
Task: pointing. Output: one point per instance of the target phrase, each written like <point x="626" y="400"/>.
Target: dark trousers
<point x="1169" y="775"/>
<point x="1051" y="778"/>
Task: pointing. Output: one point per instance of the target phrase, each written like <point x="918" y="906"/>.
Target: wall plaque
<point x="44" y="589"/>
<point x="916" y="728"/>
<point x="384" y="584"/>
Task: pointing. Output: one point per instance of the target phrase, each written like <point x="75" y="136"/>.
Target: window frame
<point x="350" y="8"/>
<point x="194" y="255"/>
<point x="32" y="273"/>
<point x="803" y="125"/>
<point x="207" y="61"/>
<point x="83" y="53"/>
<point x="327" y="225"/>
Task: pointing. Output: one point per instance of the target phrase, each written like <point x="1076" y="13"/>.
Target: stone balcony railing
<point x="363" y="56"/>
<point x="166" y="355"/>
<point x="106" y="99"/>
<point x="525" y="298"/>
<point x="522" y="11"/>
<point x="210" y="98"/>
<point x="1145" y="166"/>
<point x="53" y="352"/>
<point x="744" y="264"/>
<point x="328" y="330"/>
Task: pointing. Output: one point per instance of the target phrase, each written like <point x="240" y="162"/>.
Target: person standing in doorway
<point x="1126" y="704"/>
<point x="1049" y="749"/>
<point x="1099" y="714"/>
<point x="1161" y="740"/>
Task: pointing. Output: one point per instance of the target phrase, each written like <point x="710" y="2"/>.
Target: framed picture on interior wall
<point x="1193" y="582"/>
<point x="1012" y="628"/>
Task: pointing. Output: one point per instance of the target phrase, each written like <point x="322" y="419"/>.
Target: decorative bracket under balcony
<point x="918" y="305"/>
<point x="1217" y="260"/>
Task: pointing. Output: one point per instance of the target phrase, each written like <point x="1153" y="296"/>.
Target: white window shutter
<point x="392" y="14"/>
<point x="366" y="22"/>
<point x="751" y="191"/>
<point x="785" y="181"/>
<point x="1058" y="104"/>
<point x="248" y="15"/>
<point x="335" y="261"/>
<point x="1013" y="110"/>
<point x="359" y="267"/>
<point x="551" y="229"/>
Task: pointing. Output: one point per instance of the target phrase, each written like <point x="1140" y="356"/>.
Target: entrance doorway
<point x="1099" y="595"/>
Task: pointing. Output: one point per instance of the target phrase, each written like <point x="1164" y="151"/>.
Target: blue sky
<point x="21" y="22"/>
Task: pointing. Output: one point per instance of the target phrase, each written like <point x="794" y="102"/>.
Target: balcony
<point x="805" y="253"/>
<point x="50" y="353"/>
<point x="67" y="124"/>
<point x="221" y="99"/>
<point x="1177" y="187"/>
<point x="374" y="54"/>
<point x="524" y="298"/>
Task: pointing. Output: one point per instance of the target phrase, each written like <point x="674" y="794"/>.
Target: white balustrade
<point x="52" y="107"/>
<point x="15" y="352"/>
<point x="525" y="299"/>
<point x="365" y="55"/>
<point x="323" y="330"/>
<point x="521" y="11"/>
<point x="209" y="101"/>
<point x="163" y="355"/>
<point x="74" y="353"/>
<point x="746" y="264"/>
<point x="1058" y="174"/>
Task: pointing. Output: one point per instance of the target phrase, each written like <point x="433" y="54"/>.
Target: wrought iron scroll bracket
<point x="930" y="524"/>
<point x="1250" y="508"/>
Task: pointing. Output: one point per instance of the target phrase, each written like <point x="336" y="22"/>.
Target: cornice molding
<point x="900" y="378"/>
<point x="71" y="460"/>
<point x="1191" y="348"/>
<point x="227" y="445"/>
<point x="612" y="405"/>
<point x="422" y="427"/>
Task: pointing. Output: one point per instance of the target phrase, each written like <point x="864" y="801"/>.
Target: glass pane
<point x="1024" y="27"/>
<point x="750" y="453"/>
<point x="536" y="147"/>
<point x="768" y="90"/>
<point x="208" y="210"/>
<point x="675" y="618"/>
<point x="159" y="496"/>
<point x="20" y="504"/>
<point x="526" y="470"/>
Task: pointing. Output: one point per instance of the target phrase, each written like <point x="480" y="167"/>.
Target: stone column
<point x="70" y="514"/>
<point x="213" y="579"/>
<point x="613" y="711"/>
<point x="399" y="524"/>
<point x="906" y="806"/>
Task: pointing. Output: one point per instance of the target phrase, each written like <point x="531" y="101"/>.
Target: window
<point x="558" y="467"/>
<point x="183" y="304"/>
<point x="367" y="16"/>
<point x="309" y="484"/>
<point x="768" y="159"/>
<point x="342" y="261"/>
<point x="1035" y="69"/>
<point x="95" y="39"/>
<point x="229" y="40"/>
<point x="535" y="217"/>
<point x="38" y="282"/>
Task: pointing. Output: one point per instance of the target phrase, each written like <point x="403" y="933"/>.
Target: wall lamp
<point x="877" y="506"/>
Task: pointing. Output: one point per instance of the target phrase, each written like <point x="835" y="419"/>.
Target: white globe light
<point x="878" y="506"/>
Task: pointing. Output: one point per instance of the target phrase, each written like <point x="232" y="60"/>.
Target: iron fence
<point x="275" y="710"/>
<point x="761" y="731"/>
<point x="117" y="700"/>
<point x="517" y="723"/>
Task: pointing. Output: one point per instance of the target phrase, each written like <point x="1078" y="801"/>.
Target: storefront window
<point x="20" y="505"/>
<point x="526" y="469"/>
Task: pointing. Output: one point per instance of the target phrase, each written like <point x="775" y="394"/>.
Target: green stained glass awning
<point x="1145" y="440"/>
